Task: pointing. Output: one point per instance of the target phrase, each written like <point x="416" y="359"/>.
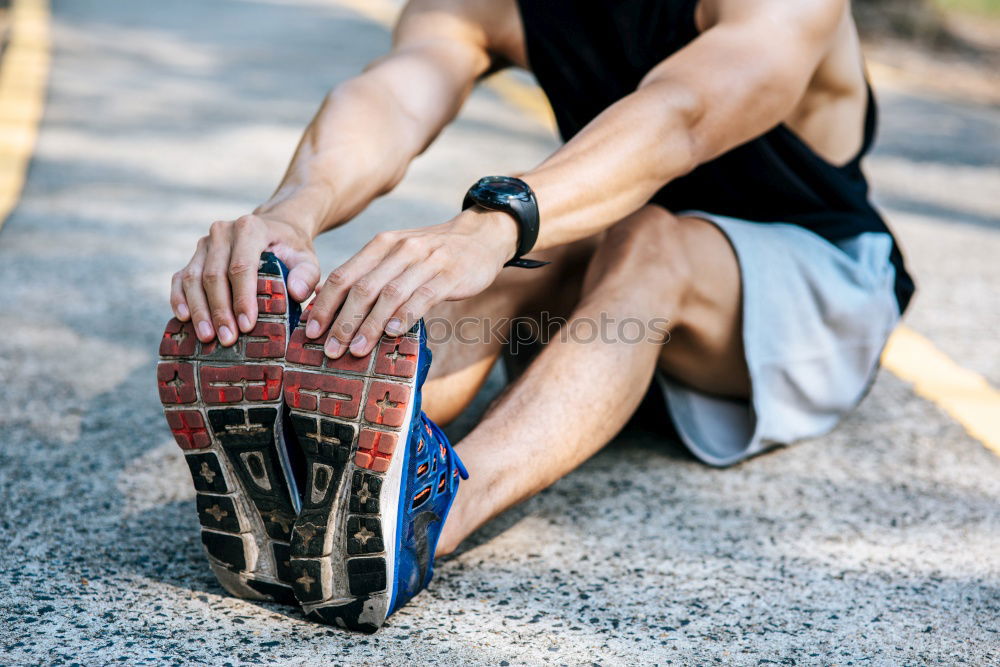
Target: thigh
<point x="467" y="336"/>
<point x="705" y="348"/>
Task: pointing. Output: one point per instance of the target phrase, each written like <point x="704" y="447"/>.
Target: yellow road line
<point x="963" y="394"/>
<point x="23" y="73"/>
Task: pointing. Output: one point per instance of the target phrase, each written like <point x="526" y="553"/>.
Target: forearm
<point x="356" y="148"/>
<point x="615" y="164"/>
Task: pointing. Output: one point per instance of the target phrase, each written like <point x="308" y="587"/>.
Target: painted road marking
<point x="963" y="394"/>
<point x="23" y="73"/>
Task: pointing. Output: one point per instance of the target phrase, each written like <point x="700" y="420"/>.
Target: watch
<point x="514" y="196"/>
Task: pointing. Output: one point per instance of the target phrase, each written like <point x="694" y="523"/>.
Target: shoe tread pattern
<point x="347" y="415"/>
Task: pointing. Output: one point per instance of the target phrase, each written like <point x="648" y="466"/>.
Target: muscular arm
<point x="371" y="127"/>
<point x="357" y="147"/>
<point x="739" y="78"/>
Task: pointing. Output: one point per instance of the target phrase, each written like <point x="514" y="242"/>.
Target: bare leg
<point x="462" y="360"/>
<point x="576" y="395"/>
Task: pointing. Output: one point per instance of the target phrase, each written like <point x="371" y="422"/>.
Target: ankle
<point x="453" y="532"/>
<point x="445" y="547"/>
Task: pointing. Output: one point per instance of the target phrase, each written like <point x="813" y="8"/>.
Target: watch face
<point x="500" y="189"/>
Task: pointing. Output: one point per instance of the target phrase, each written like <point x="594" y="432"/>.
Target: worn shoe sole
<point x="224" y="408"/>
<point x="351" y="418"/>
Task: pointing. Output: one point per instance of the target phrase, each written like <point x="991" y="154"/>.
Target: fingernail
<point x="334" y="348"/>
<point x="205" y="329"/>
<point x="394" y="327"/>
<point x="225" y="335"/>
<point x="183" y="312"/>
<point x="358" y="344"/>
<point x="312" y="328"/>
<point x="244" y="322"/>
<point x="298" y="287"/>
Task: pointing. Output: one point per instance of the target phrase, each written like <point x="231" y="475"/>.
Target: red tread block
<point x="271" y="295"/>
<point x="397" y="357"/>
<point x="350" y="363"/>
<point x="175" y="381"/>
<point x="375" y="449"/>
<point x="189" y="429"/>
<point x="331" y="395"/>
<point x="387" y="403"/>
<point x="299" y="353"/>
<point x="178" y="339"/>
<point x="231" y="384"/>
<point x="294" y="396"/>
<point x="380" y="441"/>
<point x="271" y="348"/>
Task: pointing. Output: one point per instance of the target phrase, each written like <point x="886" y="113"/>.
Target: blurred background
<point x="127" y="127"/>
<point x="951" y="46"/>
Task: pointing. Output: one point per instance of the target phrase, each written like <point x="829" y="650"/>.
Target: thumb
<point x="303" y="270"/>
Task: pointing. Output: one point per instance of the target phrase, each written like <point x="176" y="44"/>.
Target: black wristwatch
<point x="514" y="196"/>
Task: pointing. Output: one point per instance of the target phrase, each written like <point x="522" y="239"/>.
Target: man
<point x="710" y="178"/>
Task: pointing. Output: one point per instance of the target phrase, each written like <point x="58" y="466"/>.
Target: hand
<point x="395" y="279"/>
<point x="218" y="287"/>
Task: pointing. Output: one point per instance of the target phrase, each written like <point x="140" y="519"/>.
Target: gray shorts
<point x="816" y="316"/>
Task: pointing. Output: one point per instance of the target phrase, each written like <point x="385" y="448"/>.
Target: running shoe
<point x="379" y="479"/>
<point x="224" y="407"/>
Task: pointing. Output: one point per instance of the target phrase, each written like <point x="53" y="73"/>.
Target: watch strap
<point x="525" y="214"/>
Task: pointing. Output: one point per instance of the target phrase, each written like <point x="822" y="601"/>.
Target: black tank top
<point x="588" y="55"/>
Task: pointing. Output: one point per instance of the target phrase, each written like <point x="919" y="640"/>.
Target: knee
<point x="645" y="254"/>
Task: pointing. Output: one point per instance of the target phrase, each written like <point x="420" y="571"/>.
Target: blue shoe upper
<point x="431" y="472"/>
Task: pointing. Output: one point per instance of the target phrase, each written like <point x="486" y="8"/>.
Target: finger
<point x="394" y="294"/>
<point x="339" y="282"/>
<point x="177" y="302"/>
<point x="362" y="297"/>
<point x="215" y="280"/>
<point x="302" y="280"/>
<point x="303" y="270"/>
<point x="194" y="294"/>
<point x="244" y="260"/>
<point x="424" y="297"/>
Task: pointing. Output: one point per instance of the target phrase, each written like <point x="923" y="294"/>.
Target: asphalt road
<point x="877" y="544"/>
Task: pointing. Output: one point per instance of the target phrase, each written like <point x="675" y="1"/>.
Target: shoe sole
<point x="223" y="405"/>
<point x="351" y="417"/>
